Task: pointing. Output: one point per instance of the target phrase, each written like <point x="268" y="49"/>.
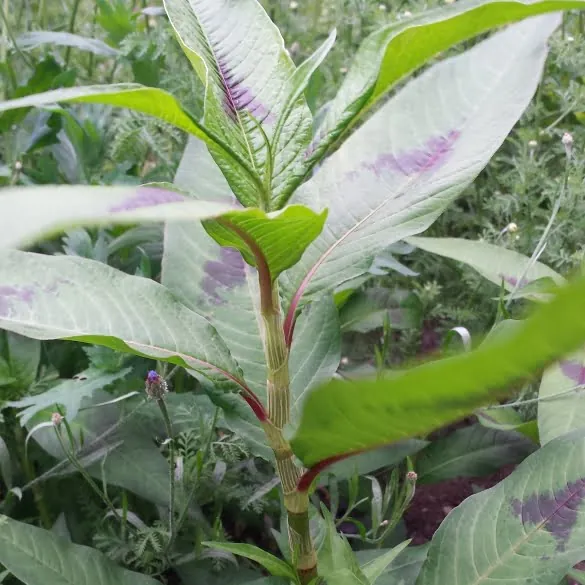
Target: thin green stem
<point x="71" y="28"/>
<point x="169" y="427"/>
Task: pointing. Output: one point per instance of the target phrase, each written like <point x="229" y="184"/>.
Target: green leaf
<point x="69" y="393"/>
<point x="471" y="452"/>
<point x="403" y="570"/>
<point x="507" y="419"/>
<point x="341" y="418"/>
<point x="278" y="238"/>
<point x="37" y="556"/>
<point x="239" y="55"/>
<point x="214" y="281"/>
<point x="373" y="569"/>
<point x="31" y="213"/>
<point x="272" y="564"/>
<point x="557" y="416"/>
<point x="315" y="353"/>
<point x="24" y="356"/>
<point x="65" y="297"/>
<point x="400" y="48"/>
<point x="497" y="264"/>
<point x="37" y="38"/>
<point x="398" y="172"/>
<point x="529" y="528"/>
<point x="5" y="464"/>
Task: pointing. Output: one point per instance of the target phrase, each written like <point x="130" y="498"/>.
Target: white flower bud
<point x="567" y="141"/>
<point x="56" y="419"/>
<point x="512" y="227"/>
<point x="532" y="144"/>
<point x="18" y="166"/>
<point x="293" y="5"/>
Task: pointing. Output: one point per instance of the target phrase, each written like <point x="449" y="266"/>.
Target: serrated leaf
<point x="239" y="55"/>
<point x="62" y="297"/>
<point x="400" y="170"/>
<point x="529" y="528"/>
<point x="37" y="556"/>
<point x="272" y="564"/>
<point x="69" y="393"/>
<point x="400" y="48"/>
<point x="471" y="452"/>
<point x="557" y="416"/>
<point x="497" y="264"/>
<point x="341" y="418"/>
<point x="315" y="353"/>
<point x="33" y="39"/>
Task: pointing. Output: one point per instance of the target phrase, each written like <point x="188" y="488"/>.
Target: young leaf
<point x="37" y="38"/>
<point x="374" y="568"/>
<point x="36" y="557"/>
<point x="471" y="452"/>
<point x="394" y="176"/>
<point x="239" y="55"/>
<point x="392" y="52"/>
<point x="402" y="570"/>
<point x="557" y="416"/>
<point x="271" y="563"/>
<point x="65" y="297"/>
<point x="341" y="418"/>
<point x="497" y="264"/>
<point x="530" y="528"/>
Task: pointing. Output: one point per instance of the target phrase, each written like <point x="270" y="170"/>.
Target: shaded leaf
<point x="374" y="568"/>
<point x="24" y="356"/>
<point x="393" y="177"/>
<point x="403" y="570"/>
<point x="557" y="416"/>
<point x="471" y="452"/>
<point x="341" y="418"/>
<point x="5" y="464"/>
<point x="529" y="528"/>
<point x="33" y="39"/>
<point x="35" y="556"/>
<point x="507" y="419"/>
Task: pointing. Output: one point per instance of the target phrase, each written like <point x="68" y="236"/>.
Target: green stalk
<point x="169" y="428"/>
<point x="278" y="384"/>
<point x="71" y="28"/>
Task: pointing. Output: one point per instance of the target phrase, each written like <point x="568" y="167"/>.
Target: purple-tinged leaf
<point x="530" y="528"/>
<point x="574" y="370"/>
<point x="147" y="197"/>
<point x="228" y="272"/>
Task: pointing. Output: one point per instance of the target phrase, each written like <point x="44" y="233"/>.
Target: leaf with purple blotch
<point x="396" y="174"/>
<point x="557" y="416"/>
<point x="239" y="55"/>
<point x="529" y="528"/>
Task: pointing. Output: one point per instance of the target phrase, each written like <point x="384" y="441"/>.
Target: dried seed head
<point x="56" y="419"/>
<point x="155" y="386"/>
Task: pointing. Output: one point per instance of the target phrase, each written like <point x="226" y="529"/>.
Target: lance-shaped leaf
<point x="64" y="297"/>
<point x="497" y="264"/>
<point x="36" y="556"/>
<point x="214" y="281"/>
<point x="28" y="214"/>
<point x="398" y="49"/>
<point x="148" y="100"/>
<point x="342" y="417"/>
<point x="394" y="176"/>
<point x="37" y="38"/>
<point x="239" y="55"/>
<point x="561" y="414"/>
<point x="530" y="528"/>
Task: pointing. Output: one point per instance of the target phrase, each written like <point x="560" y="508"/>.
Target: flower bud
<point x="411" y="476"/>
<point x="512" y="227"/>
<point x="56" y="419"/>
<point x="156" y="386"/>
<point x="567" y="141"/>
<point x="18" y="166"/>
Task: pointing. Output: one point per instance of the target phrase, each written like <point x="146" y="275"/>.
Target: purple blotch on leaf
<point x="147" y="197"/>
<point x="10" y="294"/>
<point x="557" y="512"/>
<point x="225" y="273"/>
<point x="573" y="370"/>
<point x="410" y="162"/>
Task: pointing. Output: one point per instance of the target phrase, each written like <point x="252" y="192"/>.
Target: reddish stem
<point x="309" y="476"/>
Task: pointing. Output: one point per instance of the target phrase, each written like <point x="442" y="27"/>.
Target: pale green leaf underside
<point x="400" y="170"/>
<point x="530" y="528"/>
<point x="31" y="213"/>
<point x="239" y="55"/>
<point x="62" y="297"/>
<point x="33" y="39"/>
<point x="398" y="49"/>
<point x="348" y="417"/>
<point x="497" y="264"/>
<point x="37" y="557"/>
<point x="557" y="416"/>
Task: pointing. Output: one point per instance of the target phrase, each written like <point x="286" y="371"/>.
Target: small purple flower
<point x="156" y="386"/>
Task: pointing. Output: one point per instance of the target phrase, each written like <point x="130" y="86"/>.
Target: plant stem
<point x="71" y="28"/>
<point x="169" y="428"/>
<point x="278" y="384"/>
